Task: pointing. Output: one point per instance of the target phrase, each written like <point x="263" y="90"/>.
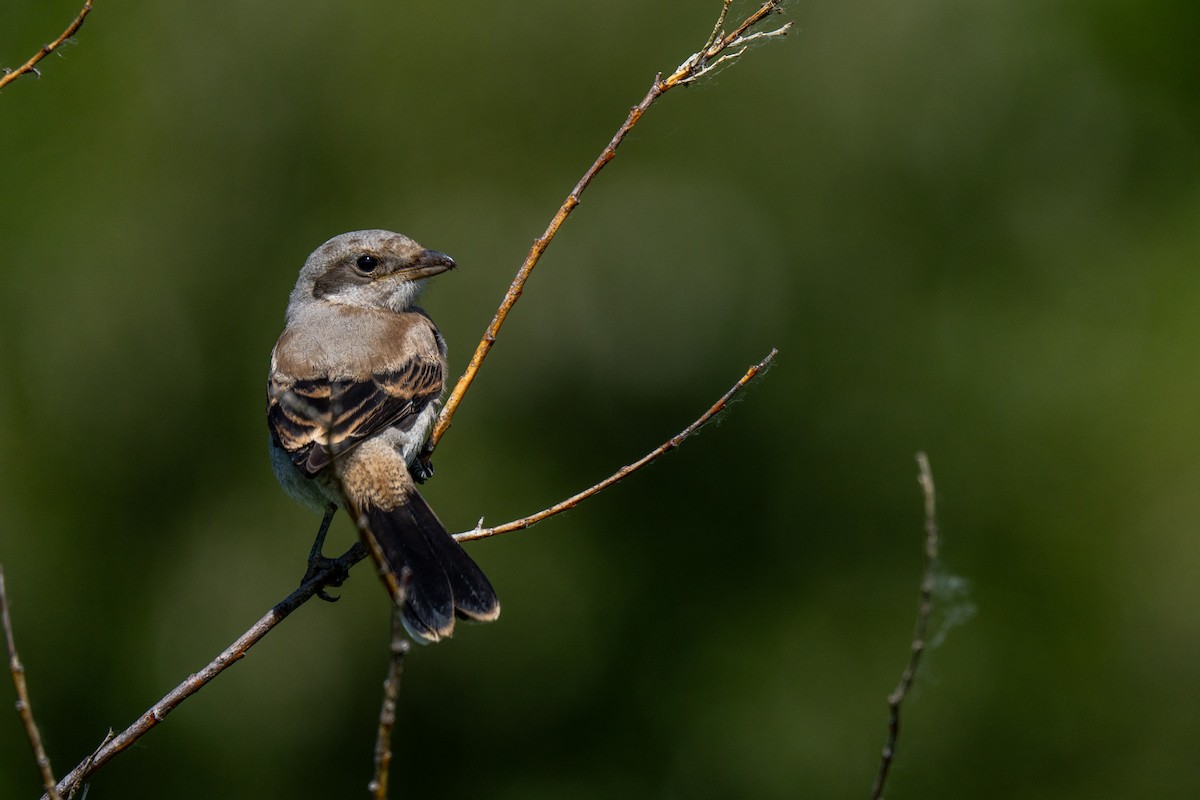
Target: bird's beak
<point x="428" y="264"/>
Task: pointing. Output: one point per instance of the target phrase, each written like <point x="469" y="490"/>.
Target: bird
<point x="353" y="392"/>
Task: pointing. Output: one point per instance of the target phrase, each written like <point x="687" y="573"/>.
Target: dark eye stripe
<point x="339" y="279"/>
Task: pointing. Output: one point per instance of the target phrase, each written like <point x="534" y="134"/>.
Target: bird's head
<point x="368" y="269"/>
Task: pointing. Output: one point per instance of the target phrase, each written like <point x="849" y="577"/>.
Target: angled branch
<point x="24" y="708"/>
<point x="481" y="532"/>
<point x="30" y="66"/>
<point x="695" y="66"/>
<point x="924" y="612"/>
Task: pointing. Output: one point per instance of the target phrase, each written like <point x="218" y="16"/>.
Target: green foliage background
<point x="971" y="228"/>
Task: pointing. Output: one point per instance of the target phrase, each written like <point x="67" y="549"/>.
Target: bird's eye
<point x="367" y="263"/>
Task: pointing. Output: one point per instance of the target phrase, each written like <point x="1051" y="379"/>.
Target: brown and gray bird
<point x="353" y="392"/>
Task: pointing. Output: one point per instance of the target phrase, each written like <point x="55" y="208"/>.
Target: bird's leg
<point x="336" y="573"/>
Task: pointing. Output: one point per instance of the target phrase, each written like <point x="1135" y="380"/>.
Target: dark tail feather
<point x="443" y="581"/>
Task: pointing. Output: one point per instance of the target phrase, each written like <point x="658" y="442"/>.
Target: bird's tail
<point x="440" y="581"/>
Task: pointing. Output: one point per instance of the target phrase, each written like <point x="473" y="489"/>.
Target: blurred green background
<point x="971" y="229"/>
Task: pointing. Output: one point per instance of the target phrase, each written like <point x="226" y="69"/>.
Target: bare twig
<point x="194" y="683"/>
<point x="698" y="64"/>
<point x="716" y="31"/>
<point x="24" y="708"/>
<point x="387" y="712"/>
<point x="924" y="612"/>
<point x="481" y="532"/>
<point x="30" y="66"/>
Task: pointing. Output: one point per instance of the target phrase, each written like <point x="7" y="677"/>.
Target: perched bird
<point x="352" y="394"/>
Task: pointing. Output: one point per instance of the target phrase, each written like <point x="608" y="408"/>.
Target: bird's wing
<point x="317" y="420"/>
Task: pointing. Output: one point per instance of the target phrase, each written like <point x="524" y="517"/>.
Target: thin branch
<point x="194" y="683"/>
<point x="716" y="31"/>
<point x="696" y="65"/>
<point x="24" y="707"/>
<point x="924" y="612"/>
<point x="482" y="533"/>
<point x="30" y="66"/>
<point x="387" y="712"/>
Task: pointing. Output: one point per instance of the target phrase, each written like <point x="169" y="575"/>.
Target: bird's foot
<point x="332" y="572"/>
<point x="421" y="469"/>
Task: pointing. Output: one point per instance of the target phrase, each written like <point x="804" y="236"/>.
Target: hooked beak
<point x="428" y="264"/>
